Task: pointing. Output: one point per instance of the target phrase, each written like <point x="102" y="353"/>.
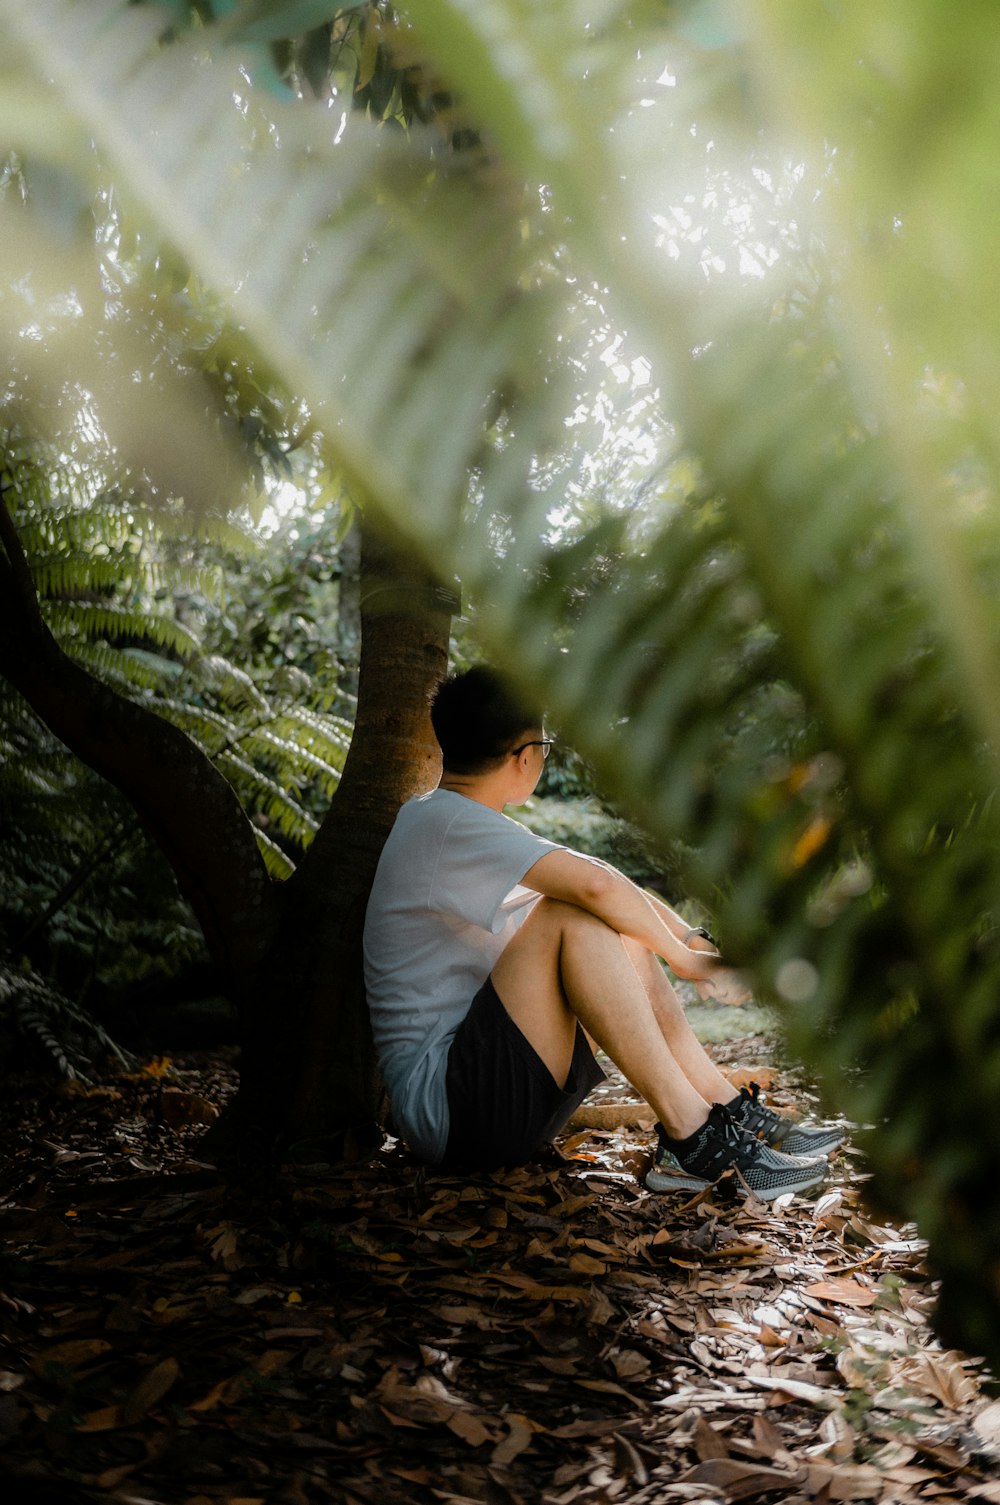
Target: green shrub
<point x="586" y="826"/>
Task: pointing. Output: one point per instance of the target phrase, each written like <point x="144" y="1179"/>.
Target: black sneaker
<point x="722" y="1145"/>
<point x="779" y="1132"/>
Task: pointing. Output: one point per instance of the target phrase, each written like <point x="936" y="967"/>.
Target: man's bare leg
<point x="685" y="1047"/>
<point x="566" y="965"/>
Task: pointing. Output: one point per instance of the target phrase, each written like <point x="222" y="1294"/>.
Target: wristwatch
<point x="706" y="935"/>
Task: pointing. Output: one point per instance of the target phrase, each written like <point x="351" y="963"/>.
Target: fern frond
<point x="233" y="685"/>
<point x="300" y="747"/>
<point x="72" y="620"/>
<point x="326" y="737"/>
<point x="125" y="670"/>
<point x="279" y="864"/>
<point x="401" y="252"/>
<point x="41" y="1013"/>
<point x="324" y="734"/>
<point x="207" y="726"/>
<point x="297" y="764"/>
<point x="269" y="798"/>
<point x="60" y="575"/>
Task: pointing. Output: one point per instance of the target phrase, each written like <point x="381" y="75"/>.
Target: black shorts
<point x="503" y="1099"/>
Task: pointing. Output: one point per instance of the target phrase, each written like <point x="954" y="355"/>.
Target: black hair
<point x="478" y="721"/>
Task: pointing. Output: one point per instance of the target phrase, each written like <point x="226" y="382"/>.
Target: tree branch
<point x="185" y="805"/>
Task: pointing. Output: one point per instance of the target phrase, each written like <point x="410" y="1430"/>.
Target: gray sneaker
<point x="779" y="1132"/>
<point x="723" y="1145"/>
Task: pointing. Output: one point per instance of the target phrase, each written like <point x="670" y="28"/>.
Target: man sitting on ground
<point x="492" y="954"/>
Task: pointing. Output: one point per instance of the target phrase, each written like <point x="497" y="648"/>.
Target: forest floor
<point x="380" y="1333"/>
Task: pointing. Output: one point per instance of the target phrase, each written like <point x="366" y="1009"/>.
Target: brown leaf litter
<point x="383" y="1333"/>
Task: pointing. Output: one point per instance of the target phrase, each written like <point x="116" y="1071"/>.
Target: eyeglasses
<point x="545" y="743"/>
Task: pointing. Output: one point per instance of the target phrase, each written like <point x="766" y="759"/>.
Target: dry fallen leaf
<point x="214" y="1397"/>
<point x="794" y="1389"/>
<point x="986" y="1424"/>
<point x="112" y="1477"/>
<point x="179" y="1109"/>
<point x="519" y="1436"/>
<point x="610" y="1116"/>
<point x="225" y="1246"/>
<point x="586" y="1264"/>
<point x="844" y="1481"/>
<point x="706" y="1441"/>
<point x="943" y="1376"/>
<point x="271" y="1361"/>
<point x="469" y="1427"/>
<point x="842" y="1290"/>
<point x="737" y="1480"/>
<point x="70" y="1355"/>
<point x="742" y="1076"/>
<point x="104" y="1420"/>
<point x="150" y="1390"/>
<point x="629" y="1461"/>
<point x="628" y="1363"/>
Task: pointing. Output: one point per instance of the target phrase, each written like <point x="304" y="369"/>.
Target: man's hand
<point x="725" y="985"/>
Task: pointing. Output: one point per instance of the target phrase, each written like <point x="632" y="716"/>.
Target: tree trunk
<point x="308" y="1082"/>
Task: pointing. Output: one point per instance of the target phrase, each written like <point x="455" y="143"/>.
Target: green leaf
<point x="274" y="20"/>
<point x="710" y="23"/>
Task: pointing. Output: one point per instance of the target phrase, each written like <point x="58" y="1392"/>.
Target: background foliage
<point x="238" y="648"/>
<point x="781" y="622"/>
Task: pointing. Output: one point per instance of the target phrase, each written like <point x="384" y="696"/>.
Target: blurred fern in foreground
<point x="788" y="662"/>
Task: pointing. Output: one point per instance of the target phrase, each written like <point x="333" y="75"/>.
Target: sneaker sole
<point x="672" y="1181"/>
<point x="772" y="1193"/>
<point x="827" y="1149"/>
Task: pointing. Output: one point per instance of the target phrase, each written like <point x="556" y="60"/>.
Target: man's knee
<point x="552" y="911"/>
<point x="568" y="918"/>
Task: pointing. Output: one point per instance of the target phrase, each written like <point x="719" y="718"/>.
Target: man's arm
<point x="605" y="892"/>
<point x="679" y="926"/>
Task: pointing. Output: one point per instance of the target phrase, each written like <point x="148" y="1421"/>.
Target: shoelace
<point x="729" y="1130"/>
<point x="731" y="1135"/>
<point x="757" y="1119"/>
<point x="755" y="1109"/>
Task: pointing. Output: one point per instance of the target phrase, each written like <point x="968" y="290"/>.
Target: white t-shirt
<point x="445" y="902"/>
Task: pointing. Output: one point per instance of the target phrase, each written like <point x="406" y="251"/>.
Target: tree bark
<point x="308" y="1082"/>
